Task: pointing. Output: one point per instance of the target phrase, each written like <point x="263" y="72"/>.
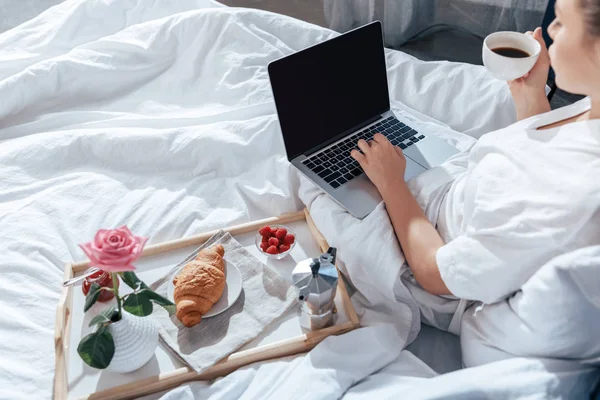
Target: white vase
<point x="136" y="339"/>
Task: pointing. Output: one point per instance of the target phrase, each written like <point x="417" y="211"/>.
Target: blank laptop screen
<point x="325" y="90"/>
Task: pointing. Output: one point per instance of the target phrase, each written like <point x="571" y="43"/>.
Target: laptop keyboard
<point x="335" y="165"/>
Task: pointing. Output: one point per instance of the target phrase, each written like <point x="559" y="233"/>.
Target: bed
<point x="160" y="115"/>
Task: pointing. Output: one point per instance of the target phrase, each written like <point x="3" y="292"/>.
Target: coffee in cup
<point x="511" y="52"/>
<point x="510" y="55"/>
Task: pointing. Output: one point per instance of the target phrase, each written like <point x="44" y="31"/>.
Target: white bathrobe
<point x="526" y="196"/>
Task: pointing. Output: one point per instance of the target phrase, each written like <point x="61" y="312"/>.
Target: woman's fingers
<point x="537" y="35"/>
<point x="364" y="146"/>
<point x="379" y="138"/>
<point x="358" y="156"/>
<point x="399" y="151"/>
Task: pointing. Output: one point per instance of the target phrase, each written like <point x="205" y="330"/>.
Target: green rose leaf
<point x="138" y="303"/>
<point x="97" y="349"/>
<point x="92" y="296"/>
<point x="161" y="301"/>
<point x="131" y="280"/>
<point x="104" y="317"/>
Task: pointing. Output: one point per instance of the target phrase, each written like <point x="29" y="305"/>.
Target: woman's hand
<point x="529" y="91"/>
<point x="383" y="162"/>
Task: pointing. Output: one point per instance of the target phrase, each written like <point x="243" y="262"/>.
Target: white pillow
<point x="555" y="315"/>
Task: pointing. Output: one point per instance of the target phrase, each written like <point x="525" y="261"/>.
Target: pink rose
<point x="114" y="250"/>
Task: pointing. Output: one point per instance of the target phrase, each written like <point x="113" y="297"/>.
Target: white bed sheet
<point x="159" y="115"/>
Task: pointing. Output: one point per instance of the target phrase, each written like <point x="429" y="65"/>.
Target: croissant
<point x="199" y="285"/>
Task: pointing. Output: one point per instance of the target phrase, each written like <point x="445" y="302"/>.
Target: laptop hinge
<point x="342" y="135"/>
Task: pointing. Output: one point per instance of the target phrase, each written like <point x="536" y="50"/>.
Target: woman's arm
<point x="419" y="239"/>
<point x="530" y="104"/>
<point x="385" y="164"/>
<point x="529" y="92"/>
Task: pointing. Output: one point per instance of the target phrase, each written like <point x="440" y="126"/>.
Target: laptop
<point x="329" y="96"/>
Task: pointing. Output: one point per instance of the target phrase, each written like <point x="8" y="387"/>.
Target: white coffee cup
<point x="509" y="68"/>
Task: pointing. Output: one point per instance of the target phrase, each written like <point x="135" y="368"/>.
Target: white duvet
<point x="158" y="115"/>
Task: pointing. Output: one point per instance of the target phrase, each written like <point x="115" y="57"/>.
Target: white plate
<point x="233" y="288"/>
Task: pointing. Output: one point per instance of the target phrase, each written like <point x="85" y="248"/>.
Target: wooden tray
<point x="167" y="380"/>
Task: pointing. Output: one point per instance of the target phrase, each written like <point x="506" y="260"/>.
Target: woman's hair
<point x="591" y="14"/>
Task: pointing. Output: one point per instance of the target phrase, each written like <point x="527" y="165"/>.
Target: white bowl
<point x="258" y="240"/>
<point x="508" y="68"/>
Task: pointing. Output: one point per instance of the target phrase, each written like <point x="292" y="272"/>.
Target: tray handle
<point x="61" y="338"/>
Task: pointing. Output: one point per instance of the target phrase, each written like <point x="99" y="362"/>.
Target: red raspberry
<point x="289" y="239"/>
<point x="272" y="250"/>
<point x="273" y="242"/>
<point x="265" y="239"/>
<point x="283" y="248"/>
<point x="265" y="231"/>
<point x="280" y="233"/>
<point x="264" y="246"/>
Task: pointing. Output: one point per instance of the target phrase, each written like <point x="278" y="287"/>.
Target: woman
<point x="530" y="191"/>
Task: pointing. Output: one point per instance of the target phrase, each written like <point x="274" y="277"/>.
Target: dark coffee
<point x="510" y="52"/>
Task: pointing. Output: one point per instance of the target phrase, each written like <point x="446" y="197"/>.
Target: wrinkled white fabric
<point x="326" y="372"/>
<point x="517" y="378"/>
<point x="556" y="314"/>
<point x="159" y="115"/>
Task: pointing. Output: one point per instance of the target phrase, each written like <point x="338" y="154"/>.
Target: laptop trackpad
<point x="412" y="169"/>
<point x="430" y="152"/>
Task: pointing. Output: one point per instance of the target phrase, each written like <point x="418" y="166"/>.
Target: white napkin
<point x="265" y="297"/>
